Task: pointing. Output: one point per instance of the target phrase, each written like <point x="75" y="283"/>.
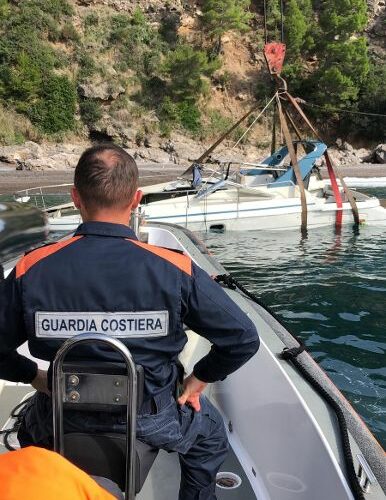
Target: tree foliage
<point x="341" y="18"/>
<point x="185" y="69"/>
<point x="299" y="28"/>
<point x="54" y="112"/>
<point x="220" y="16"/>
<point x="296" y="29"/>
<point x="28" y="62"/>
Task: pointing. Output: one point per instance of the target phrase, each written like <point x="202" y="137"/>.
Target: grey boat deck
<point x="163" y="480"/>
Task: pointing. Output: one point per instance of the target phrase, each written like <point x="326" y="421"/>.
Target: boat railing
<point x="46" y="197"/>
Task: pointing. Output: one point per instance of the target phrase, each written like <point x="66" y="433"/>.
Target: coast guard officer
<point x="104" y="280"/>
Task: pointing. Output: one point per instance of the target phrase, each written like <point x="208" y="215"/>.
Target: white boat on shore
<point x="292" y="433"/>
<point x="240" y="197"/>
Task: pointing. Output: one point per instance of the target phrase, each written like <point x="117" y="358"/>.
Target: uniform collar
<point x="105" y="229"/>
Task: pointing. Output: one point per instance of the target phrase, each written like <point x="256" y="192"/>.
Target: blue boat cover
<point x="306" y="163"/>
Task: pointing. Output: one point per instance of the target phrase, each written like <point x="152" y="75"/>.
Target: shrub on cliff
<point x="339" y="19"/>
<point x="299" y="28"/>
<point x="139" y="43"/>
<point x="55" y="110"/>
<point x="90" y="111"/>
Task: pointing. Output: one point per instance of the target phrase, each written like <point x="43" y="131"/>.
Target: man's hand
<point x="40" y="382"/>
<point x="193" y="387"/>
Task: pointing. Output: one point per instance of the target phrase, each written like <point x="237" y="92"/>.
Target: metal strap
<point x="295" y="164"/>
<point x="347" y="191"/>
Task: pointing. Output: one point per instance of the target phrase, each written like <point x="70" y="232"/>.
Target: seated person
<point x="104" y="280"/>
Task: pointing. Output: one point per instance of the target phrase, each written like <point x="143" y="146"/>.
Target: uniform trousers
<point x="199" y="438"/>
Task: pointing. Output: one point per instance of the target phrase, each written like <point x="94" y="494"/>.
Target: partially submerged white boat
<point x="242" y="197"/>
<point x="292" y="433"/>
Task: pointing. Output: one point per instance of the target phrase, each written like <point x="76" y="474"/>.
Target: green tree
<point x="220" y="16"/>
<point x="351" y="57"/>
<point x="372" y="99"/>
<point x="335" y="89"/>
<point x="273" y="19"/>
<point x="4" y="8"/>
<point x="90" y="111"/>
<point x="343" y="72"/>
<point x="185" y="68"/>
<point x="297" y="28"/>
<point x="339" y="19"/>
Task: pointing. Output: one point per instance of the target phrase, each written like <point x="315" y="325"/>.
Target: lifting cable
<point x="290" y="355"/>
<point x="338" y="110"/>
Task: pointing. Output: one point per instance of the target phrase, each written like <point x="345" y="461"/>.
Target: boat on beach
<point x="237" y="196"/>
<point x="292" y="433"/>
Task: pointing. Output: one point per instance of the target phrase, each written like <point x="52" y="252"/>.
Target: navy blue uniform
<point x="104" y="280"/>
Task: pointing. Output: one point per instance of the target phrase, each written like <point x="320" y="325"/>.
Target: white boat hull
<point x="246" y="209"/>
<point x="286" y="215"/>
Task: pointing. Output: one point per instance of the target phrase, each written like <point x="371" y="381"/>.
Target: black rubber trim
<point x="291" y="355"/>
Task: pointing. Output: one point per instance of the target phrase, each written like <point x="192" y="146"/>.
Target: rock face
<point x="345" y="154"/>
<point x="32" y="156"/>
<point x="178" y="150"/>
<point x="378" y="155"/>
<point x="103" y="91"/>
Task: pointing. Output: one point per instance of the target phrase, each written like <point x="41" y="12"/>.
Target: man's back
<point x="103" y="280"/>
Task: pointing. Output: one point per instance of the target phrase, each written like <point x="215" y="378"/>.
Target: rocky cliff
<point x="121" y="58"/>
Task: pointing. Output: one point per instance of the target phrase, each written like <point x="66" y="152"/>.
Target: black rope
<point x="17" y="414"/>
<point x="291" y="355"/>
<point x="350" y="467"/>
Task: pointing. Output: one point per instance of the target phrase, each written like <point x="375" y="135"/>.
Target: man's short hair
<point x="106" y="176"/>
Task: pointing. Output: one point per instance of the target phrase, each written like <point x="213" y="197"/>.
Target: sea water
<point x="328" y="289"/>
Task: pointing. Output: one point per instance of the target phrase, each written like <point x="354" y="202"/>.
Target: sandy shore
<point x="12" y="180"/>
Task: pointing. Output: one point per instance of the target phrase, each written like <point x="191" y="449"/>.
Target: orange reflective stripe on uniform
<point x="181" y="261"/>
<point x="34" y="257"/>
<point x="38" y="474"/>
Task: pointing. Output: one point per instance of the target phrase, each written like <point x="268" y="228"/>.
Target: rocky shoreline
<point x="31" y="164"/>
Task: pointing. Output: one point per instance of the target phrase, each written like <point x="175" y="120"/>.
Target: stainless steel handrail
<point x="59" y="391"/>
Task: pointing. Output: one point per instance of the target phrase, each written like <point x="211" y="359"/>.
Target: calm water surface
<point x="331" y="291"/>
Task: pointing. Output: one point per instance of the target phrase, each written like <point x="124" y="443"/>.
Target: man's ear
<point x="75" y="197"/>
<point x="137" y="199"/>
